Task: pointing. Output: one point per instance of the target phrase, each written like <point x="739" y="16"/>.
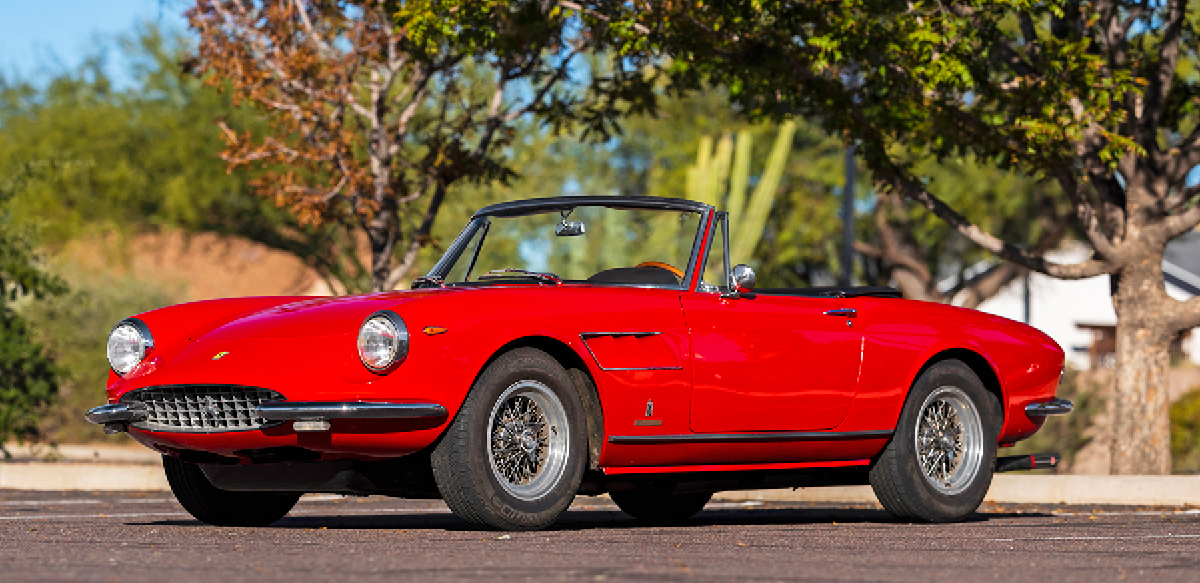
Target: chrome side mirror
<point x="743" y="279"/>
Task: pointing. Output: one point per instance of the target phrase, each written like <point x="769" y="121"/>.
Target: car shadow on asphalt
<point x="583" y="520"/>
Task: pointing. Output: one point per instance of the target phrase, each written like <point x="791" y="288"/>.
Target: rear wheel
<point x="660" y="507"/>
<point x="938" y="465"/>
<point x="209" y="504"/>
<point x="514" y="455"/>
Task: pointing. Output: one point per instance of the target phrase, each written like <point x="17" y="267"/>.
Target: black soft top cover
<point x="874" y="291"/>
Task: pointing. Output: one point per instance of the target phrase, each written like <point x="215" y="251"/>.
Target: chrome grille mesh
<point x="201" y="408"/>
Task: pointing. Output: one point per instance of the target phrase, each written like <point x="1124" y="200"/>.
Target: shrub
<point x="27" y="380"/>
<point x="1185" y="433"/>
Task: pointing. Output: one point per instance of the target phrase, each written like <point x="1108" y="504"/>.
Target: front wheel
<point x="938" y="465"/>
<point x="514" y="455"/>
<point x="217" y="507"/>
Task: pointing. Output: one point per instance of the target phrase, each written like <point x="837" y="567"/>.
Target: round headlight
<point x="128" y="344"/>
<point x="382" y="341"/>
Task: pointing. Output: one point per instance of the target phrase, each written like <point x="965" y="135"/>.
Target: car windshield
<point x="594" y="244"/>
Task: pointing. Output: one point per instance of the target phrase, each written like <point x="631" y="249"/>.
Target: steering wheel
<point x="661" y="265"/>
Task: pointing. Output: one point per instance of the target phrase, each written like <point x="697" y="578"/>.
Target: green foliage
<point x="74" y="328"/>
<point x="28" y="382"/>
<point x="1185" y="434"/>
<point x="918" y="75"/>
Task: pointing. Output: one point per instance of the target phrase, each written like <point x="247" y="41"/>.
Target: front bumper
<point x="115" y="417"/>
<point x="318" y="410"/>
<point x="307" y="415"/>
<point x="1055" y="406"/>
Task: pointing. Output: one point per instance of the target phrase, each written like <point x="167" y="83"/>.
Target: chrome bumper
<point x="1054" y="406"/>
<point x="115" y="417"/>
<point x="301" y="410"/>
<point x="311" y="416"/>
<point x="115" y="413"/>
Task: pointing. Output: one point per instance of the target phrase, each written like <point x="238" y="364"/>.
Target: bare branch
<point x="974" y="291"/>
<point x="895" y="178"/>
<point x="322" y="45"/>
<point x="559" y="75"/>
<point x="1085" y="213"/>
<point x="1187" y="314"/>
<point x="1163" y="77"/>
<point x="1176" y="225"/>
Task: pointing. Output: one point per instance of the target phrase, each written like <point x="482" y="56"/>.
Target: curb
<point x="1026" y="489"/>
<point x="1006" y="489"/>
<point x="55" y="476"/>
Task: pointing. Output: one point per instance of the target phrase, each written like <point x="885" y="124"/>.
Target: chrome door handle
<point x="844" y="312"/>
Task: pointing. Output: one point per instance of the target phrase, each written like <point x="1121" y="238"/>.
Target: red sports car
<point x="579" y="345"/>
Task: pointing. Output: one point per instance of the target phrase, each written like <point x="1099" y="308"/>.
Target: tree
<point x="138" y="157"/>
<point x="28" y="379"/>
<point x="377" y="109"/>
<point x="1098" y="96"/>
<point x="903" y="244"/>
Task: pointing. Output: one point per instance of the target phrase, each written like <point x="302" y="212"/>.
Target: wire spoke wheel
<point x="949" y="440"/>
<point x="528" y="440"/>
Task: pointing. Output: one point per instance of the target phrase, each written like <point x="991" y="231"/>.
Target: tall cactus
<point x="714" y="175"/>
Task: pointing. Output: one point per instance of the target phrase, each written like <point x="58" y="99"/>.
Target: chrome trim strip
<point x="847" y="312"/>
<point x="114" y="413"/>
<point x="754" y="437"/>
<point x="292" y="410"/>
<point x="1055" y="406"/>
<point x="585" y="335"/>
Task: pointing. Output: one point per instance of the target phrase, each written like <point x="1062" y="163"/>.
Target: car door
<point x="768" y="362"/>
<point x="771" y="363"/>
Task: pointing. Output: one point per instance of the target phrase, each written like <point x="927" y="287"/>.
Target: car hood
<point x="314" y="318"/>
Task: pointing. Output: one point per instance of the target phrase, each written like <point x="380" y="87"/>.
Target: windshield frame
<point x="481" y="220"/>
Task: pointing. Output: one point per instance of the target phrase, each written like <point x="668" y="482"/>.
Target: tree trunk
<point x="1139" y="407"/>
<point x="382" y="234"/>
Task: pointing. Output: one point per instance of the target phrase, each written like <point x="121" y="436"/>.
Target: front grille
<point x="201" y="408"/>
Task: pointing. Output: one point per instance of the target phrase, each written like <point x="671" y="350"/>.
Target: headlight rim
<point x="147" y="343"/>
<point x="400" y="345"/>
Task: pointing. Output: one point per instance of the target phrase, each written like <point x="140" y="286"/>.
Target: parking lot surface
<point x="119" y="536"/>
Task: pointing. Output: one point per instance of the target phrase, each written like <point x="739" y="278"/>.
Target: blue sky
<point x="37" y="36"/>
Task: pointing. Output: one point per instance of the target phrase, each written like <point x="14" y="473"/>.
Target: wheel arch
<point x="978" y="364"/>
<point x="585" y="385"/>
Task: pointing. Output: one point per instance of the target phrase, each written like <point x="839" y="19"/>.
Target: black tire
<point x="903" y="487"/>
<point x="217" y="507"/>
<point x="475" y="486"/>
<point x="660" y="507"/>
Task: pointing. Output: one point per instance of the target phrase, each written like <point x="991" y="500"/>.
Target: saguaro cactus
<point x="721" y="178"/>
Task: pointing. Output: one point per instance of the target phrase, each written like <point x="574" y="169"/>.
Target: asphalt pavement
<point x="123" y="536"/>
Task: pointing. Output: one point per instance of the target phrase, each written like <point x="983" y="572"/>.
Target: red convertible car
<point x="580" y="345"/>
